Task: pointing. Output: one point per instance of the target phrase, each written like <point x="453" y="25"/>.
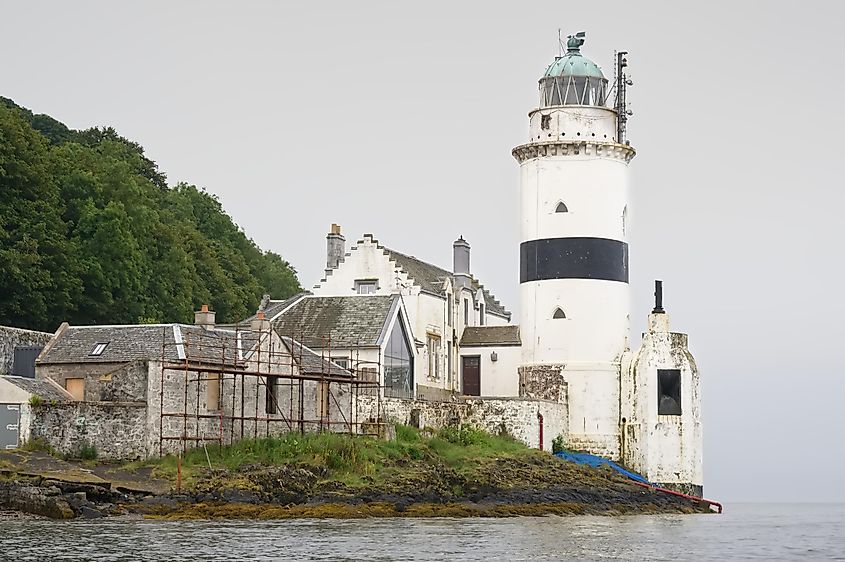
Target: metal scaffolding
<point x="223" y="384"/>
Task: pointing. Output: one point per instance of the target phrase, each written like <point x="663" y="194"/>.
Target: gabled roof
<point x="339" y="322"/>
<point x="431" y="279"/>
<point x="483" y="336"/>
<point x="45" y="388"/>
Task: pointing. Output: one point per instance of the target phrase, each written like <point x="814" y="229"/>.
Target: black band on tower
<point x="573" y="258"/>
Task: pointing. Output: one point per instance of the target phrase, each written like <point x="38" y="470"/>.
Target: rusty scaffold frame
<point x="242" y="362"/>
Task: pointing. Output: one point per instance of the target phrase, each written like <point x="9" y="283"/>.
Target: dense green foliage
<point x="91" y="233"/>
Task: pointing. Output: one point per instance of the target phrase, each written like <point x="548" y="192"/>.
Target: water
<point x="743" y="532"/>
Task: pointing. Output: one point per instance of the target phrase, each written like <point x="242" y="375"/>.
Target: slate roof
<point x="131" y="342"/>
<point x="342" y="322"/>
<point x="482" y="336"/>
<point x="431" y="278"/>
<point x="46" y="389"/>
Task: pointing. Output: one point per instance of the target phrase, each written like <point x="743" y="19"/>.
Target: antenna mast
<point x="622" y="84"/>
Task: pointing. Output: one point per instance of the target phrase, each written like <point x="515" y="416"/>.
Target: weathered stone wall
<point x="516" y="416"/>
<point x="116" y="429"/>
<point x="91" y="372"/>
<point x="544" y="382"/>
<point x="10" y="338"/>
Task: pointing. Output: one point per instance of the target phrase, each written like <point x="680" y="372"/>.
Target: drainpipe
<point x="540" y="419"/>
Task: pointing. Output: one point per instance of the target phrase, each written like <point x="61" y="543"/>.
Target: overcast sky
<point x="398" y="118"/>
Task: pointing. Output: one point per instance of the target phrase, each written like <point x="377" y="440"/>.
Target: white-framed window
<point x="433" y="343"/>
<point x="366" y="286"/>
<point x="99" y="348"/>
<point x="342" y="362"/>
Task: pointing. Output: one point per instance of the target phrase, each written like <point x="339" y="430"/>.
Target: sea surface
<point x="743" y="532"/>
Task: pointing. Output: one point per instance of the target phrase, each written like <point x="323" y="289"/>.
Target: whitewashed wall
<point x="500" y="377"/>
<point x="665" y="449"/>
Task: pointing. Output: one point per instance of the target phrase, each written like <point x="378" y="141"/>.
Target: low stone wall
<point x="10" y="338"/>
<point x="516" y="416"/>
<point x="116" y="429"/>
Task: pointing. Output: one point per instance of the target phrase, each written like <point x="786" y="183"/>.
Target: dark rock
<point x="90" y="513"/>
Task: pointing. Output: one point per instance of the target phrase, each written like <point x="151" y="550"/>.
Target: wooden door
<point x="76" y="387"/>
<point x="471" y="375"/>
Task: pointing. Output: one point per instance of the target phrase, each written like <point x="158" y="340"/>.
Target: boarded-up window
<point x="325" y="397"/>
<point x="272" y="404"/>
<point x="368" y="374"/>
<point x="76" y="387"/>
<point x="668" y="392"/>
<point x="212" y="391"/>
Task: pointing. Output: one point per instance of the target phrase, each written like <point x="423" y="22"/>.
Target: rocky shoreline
<point x="502" y="488"/>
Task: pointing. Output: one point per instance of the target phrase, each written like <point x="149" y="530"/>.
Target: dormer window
<point x="99" y="348"/>
<point x="366" y="286"/>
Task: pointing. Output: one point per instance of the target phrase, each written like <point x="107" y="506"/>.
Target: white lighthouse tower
<point x="573" y="252"/>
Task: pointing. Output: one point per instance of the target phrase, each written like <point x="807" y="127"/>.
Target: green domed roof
<point x="573" y="63"/>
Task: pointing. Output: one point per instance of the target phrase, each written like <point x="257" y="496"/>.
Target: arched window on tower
<point x="558" y="314"/>
<point x="561" y="208"/>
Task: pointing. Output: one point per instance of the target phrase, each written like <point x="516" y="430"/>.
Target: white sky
<point x="398" y="118"/>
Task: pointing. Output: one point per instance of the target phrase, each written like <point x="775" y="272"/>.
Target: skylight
<point x="99" y="348"/>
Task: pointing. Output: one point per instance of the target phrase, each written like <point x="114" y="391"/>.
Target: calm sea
<point x="743" y="532"/>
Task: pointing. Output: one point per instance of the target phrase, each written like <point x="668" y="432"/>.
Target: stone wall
<point x="116" y="429"/>
<point x="516" y="416"/>
<point x="10" y="338"/>
<point x="544" y="382"/>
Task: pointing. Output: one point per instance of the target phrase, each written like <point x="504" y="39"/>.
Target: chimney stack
<point x="260" y="323"/>
<point x="460" y="262"/>
<point x="335" y="247"/>
<point x="204" y="317"/>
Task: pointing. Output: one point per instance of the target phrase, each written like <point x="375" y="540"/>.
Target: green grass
<point x="349" y="459"/>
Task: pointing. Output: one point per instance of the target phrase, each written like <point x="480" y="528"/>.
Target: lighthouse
<point x="574" y="295"/>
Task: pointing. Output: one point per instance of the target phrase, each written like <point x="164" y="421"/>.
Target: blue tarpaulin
<point x="595" y="462"/>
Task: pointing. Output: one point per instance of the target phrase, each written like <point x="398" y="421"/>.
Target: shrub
<point x="558" y="444"/>
<point x="35" y="401"/>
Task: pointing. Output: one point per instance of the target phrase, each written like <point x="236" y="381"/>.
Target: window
<point x="433" y="343"/>
<point x="448" y="309"/>
<point x="272" y="395"/>
<point x="558" y="313"/>
<point x="545" y="122"/>
<point x="325" y="399"/>
<point x="449" y="365"/>
<point x="668" y="392"/>
<point x="76" y="387"/>
<point x="212" y="391"/>
<point x="366" y="286"/>
<point x="561" y="208"/>
<point x="481" y="314"/>
<point x="398" y="364"/>
<point x="368" y="374"/>
<point x="466" y="312"/>
<point x="624" y="219"/>
<point x="99" y="348"/>
<point x="341" y="362"/>
<point x="23" y="362"/>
